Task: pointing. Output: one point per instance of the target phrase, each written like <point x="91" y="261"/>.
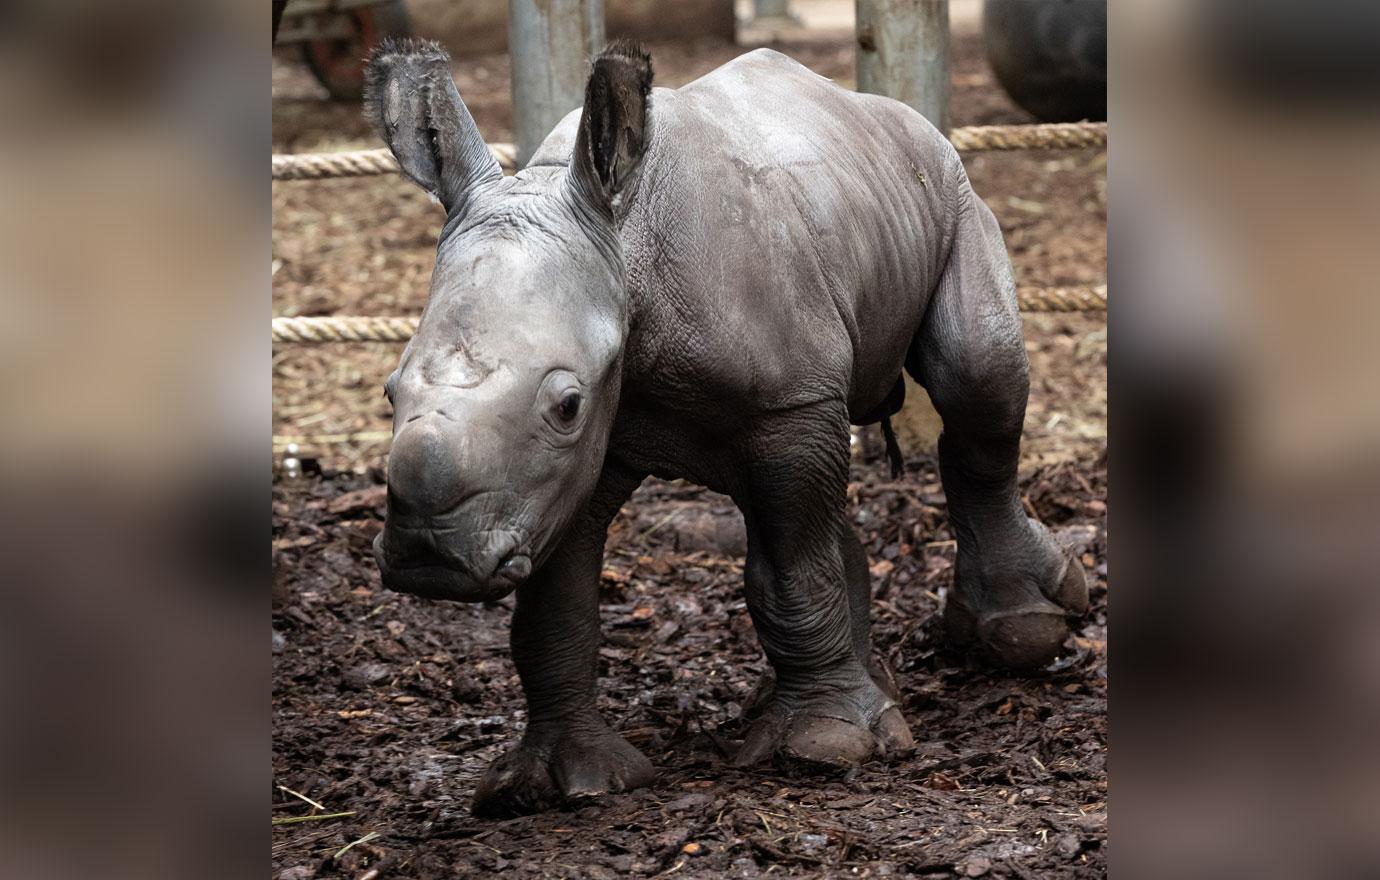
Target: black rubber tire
<point x="1050" y="55"/>
<point x="339" y="64"/>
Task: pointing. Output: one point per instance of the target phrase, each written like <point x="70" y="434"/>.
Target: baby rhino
<point x="709" y="283"/>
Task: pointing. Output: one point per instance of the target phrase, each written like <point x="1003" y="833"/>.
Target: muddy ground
<point x="389" y="708"/>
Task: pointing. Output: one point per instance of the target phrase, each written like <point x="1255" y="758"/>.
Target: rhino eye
<point x="569" y="405"/>
<point x="560" y="403"/>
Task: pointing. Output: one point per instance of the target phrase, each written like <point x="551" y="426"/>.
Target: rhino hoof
<point x="825" y="735"/>
<point x="1028" y="631"/>
<point x="764" y="693"/>
<point x="1023" y="638"/>
<point x="560" y="771"/>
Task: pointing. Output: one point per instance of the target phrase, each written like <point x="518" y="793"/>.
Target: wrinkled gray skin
<point x="721" y="284"/>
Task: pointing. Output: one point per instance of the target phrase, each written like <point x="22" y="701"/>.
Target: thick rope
<point x="358" y="163"/>
<point x="1062" y="299"/>
<point x="343" y="329"/>
<point x="364" y="329"/>
<point x="1055" y="136"/>
<point x="361" y="163"/>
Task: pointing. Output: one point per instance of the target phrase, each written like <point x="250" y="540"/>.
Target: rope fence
<point x="975" y="138"/>
<point x="1046" y="136"/>
<point x="359" y="163"/>
<point x="343" y="329"/>
<point x="1062" y="299"/>
<point x="318" y="330"/>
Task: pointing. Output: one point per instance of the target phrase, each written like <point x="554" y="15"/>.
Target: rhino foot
<point x="558" y="766"/>
<point x="830" y="731"/>
<point x="762" y="695"/>
<point x="1015" y="614"/>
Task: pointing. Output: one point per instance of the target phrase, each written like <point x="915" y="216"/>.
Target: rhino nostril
<point x="515" y="569"/>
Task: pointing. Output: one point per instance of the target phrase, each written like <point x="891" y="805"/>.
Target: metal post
<point x="550" y="43"/>
<point x="903" y="48"/>
<point x="770" y="9"/>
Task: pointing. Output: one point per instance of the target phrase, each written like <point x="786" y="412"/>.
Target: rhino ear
<point x="614" y="129"/>
<point x="410" y="98"/>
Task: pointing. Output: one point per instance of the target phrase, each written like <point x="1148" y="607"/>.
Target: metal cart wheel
<point x="338" y="64"/>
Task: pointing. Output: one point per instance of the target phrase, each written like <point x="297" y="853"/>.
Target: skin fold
<point x="709" y="283"/>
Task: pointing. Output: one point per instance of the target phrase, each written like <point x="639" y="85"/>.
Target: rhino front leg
<point x="859" y="580"/>
<point x="1014" y="587"/>
<point x="824" y="708"/>
<point x="568" y="751"/>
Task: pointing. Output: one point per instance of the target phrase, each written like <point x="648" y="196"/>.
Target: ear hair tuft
<point x="411" y="100"/>
<point x="387" y="55"/>
<point x="625" y="51"/>
<point x="391" y="48"/>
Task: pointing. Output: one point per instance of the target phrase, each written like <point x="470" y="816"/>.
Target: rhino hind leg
<point x="1014" y="587"/>
<point x="808" y="592"/>
<point x="860" y="611"/>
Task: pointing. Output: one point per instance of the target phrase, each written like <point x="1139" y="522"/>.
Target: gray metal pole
<point x="550" y="43"/>
<point x="770" y="8"/>
<point x="903" y="48"/>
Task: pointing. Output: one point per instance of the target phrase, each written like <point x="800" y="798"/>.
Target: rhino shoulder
<point x="559" y="144"/>
<point x="765" y="55"/>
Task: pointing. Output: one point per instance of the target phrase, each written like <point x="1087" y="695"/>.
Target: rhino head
<point x="504" y="399"/>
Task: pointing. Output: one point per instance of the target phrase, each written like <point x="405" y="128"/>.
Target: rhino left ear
<point x="411" y="99"/>
<point x="614" y="123"/>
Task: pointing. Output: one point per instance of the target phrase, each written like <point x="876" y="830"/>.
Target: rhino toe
<point x="827" y="733"/>
<point x="516" y="784"/>
<point x="612" y="766"/>
<point x="1025" y="619"/>
<point x="557" y="768"/>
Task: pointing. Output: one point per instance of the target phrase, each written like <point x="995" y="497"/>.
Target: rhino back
<point x="785" y="237"/>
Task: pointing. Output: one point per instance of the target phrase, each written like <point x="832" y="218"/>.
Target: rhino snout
<point x="437" y="564"/>
<point x="443" y="538"/>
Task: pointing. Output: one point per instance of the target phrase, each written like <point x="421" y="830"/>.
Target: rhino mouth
<point x="419" y="562"/>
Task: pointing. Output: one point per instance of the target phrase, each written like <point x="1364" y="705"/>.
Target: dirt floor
<point x="389" y="708"/>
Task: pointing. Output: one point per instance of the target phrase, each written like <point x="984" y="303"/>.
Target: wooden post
<point x="902" y="52"/>
<point x="550" y="43"/>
